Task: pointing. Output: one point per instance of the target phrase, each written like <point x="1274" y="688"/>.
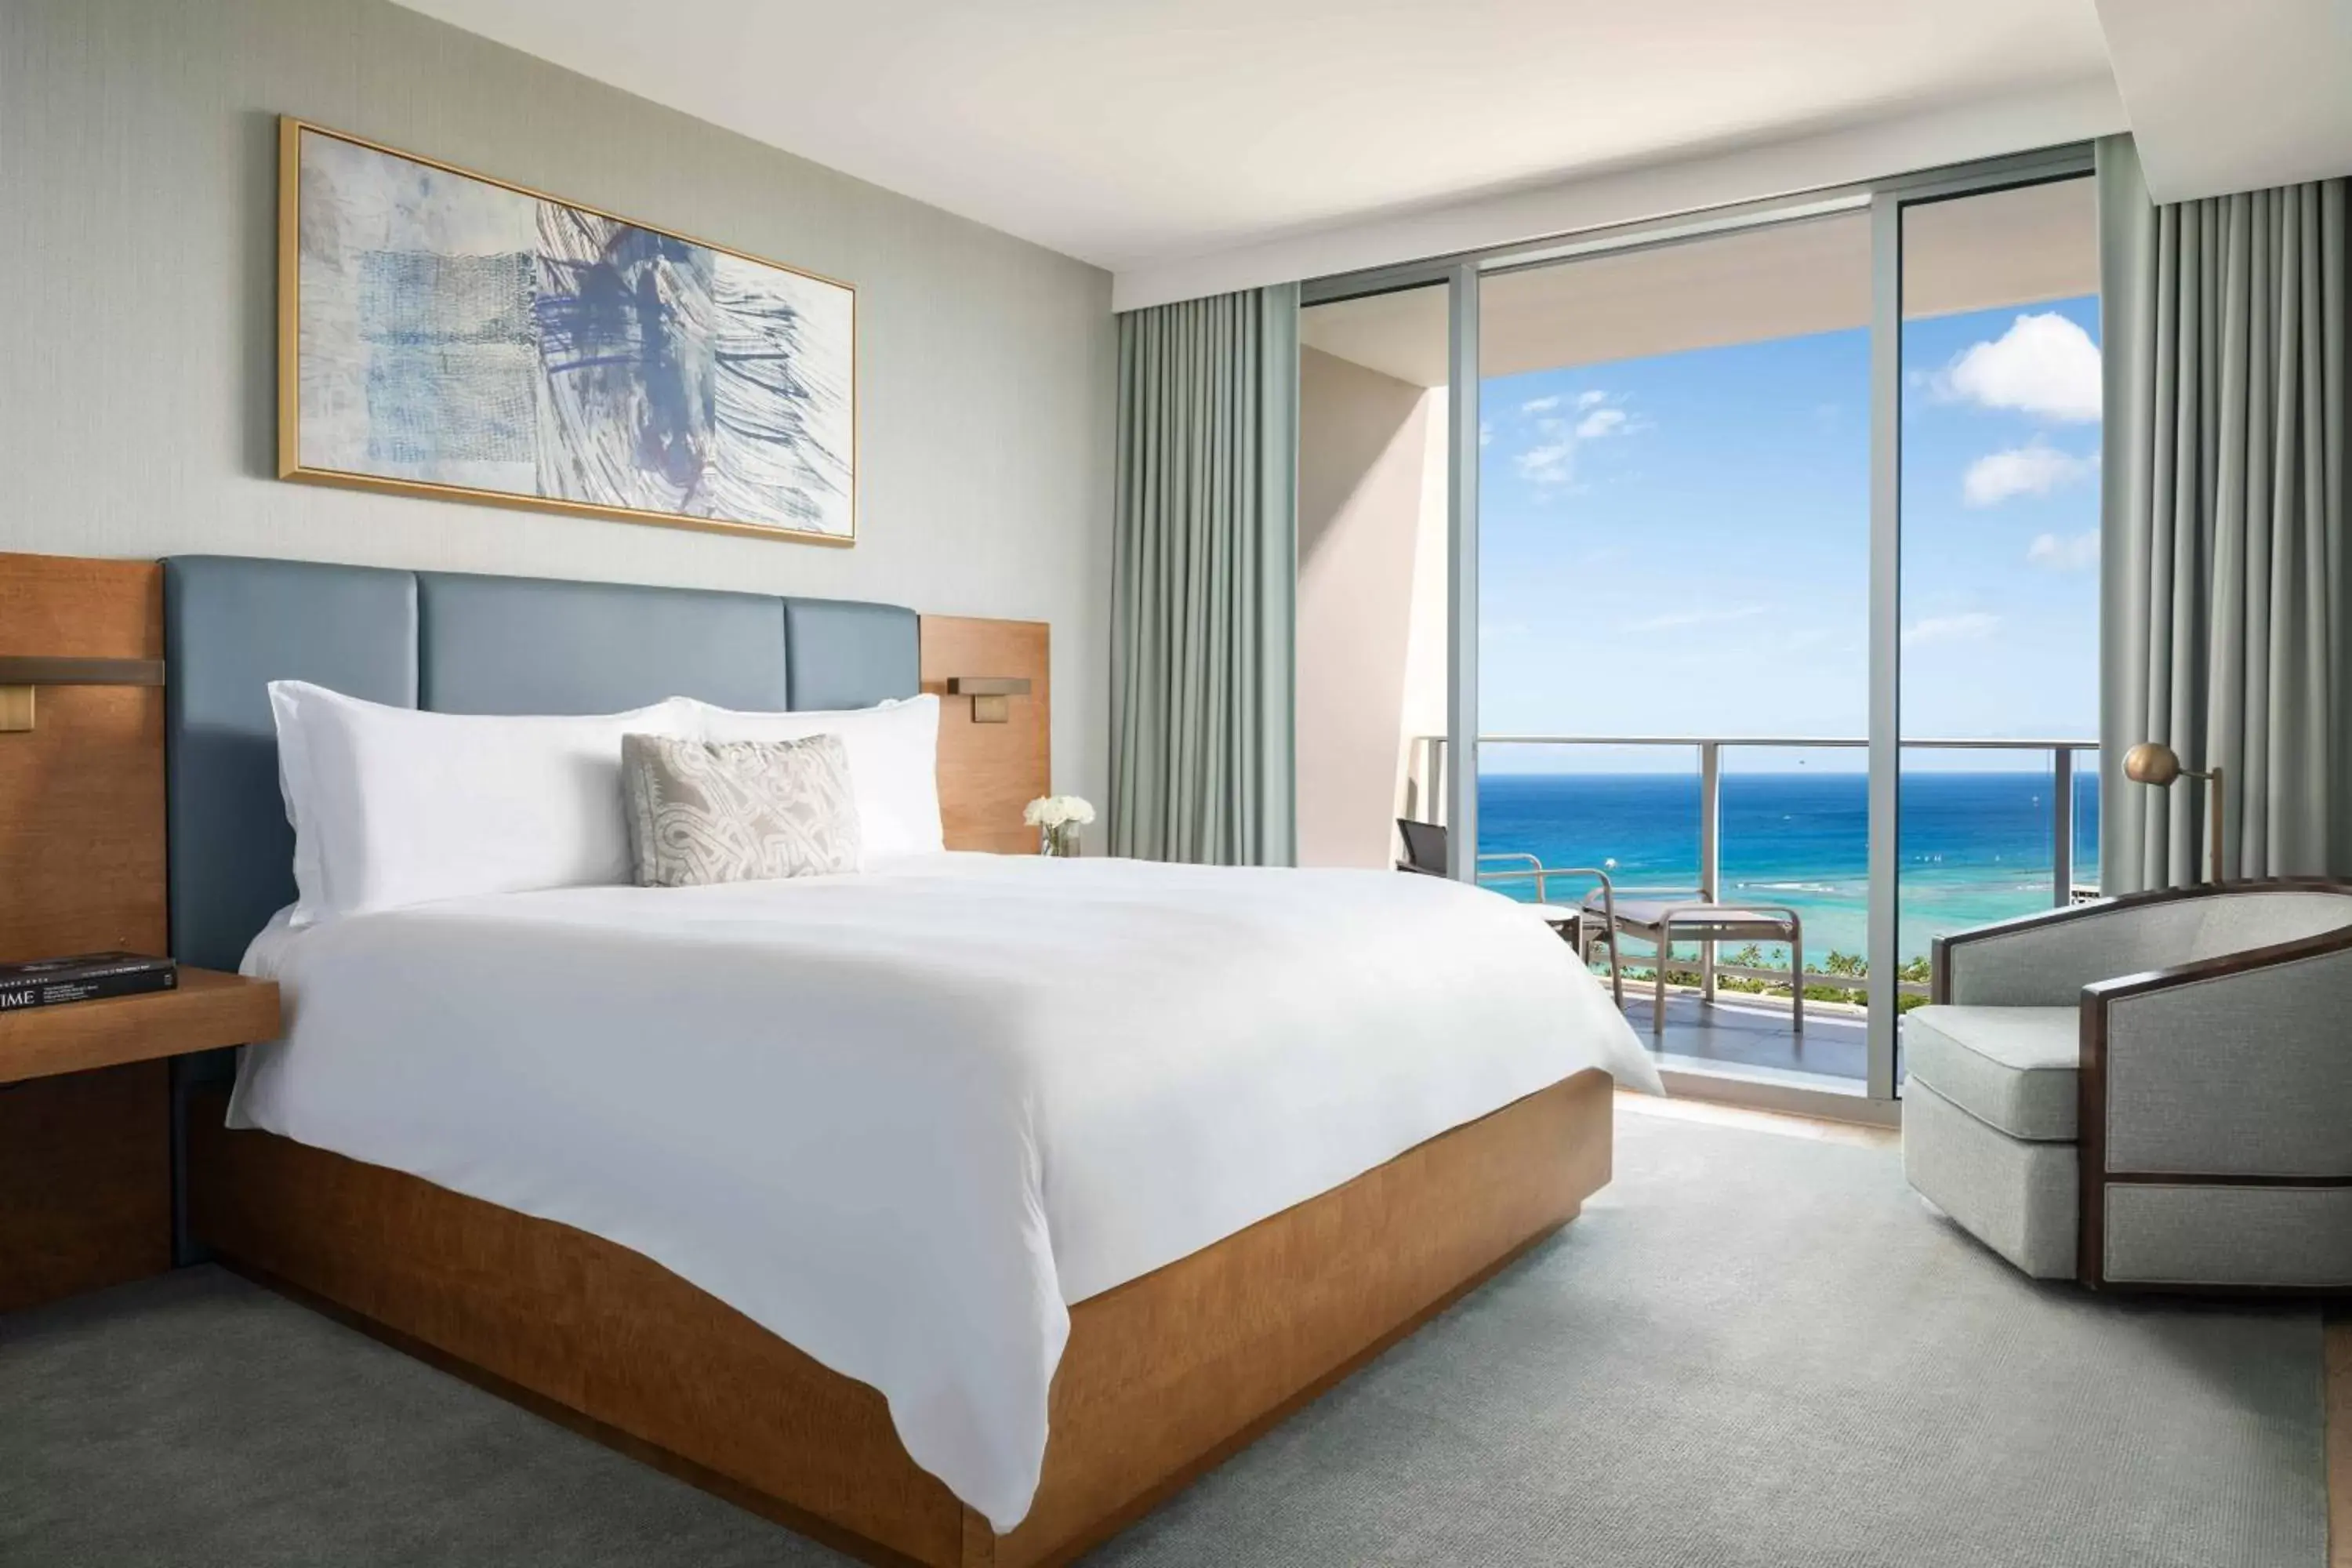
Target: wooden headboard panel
<point x="85" y="1158"/>
<point x="989" y="772"/>
<point x="81" y="793"/>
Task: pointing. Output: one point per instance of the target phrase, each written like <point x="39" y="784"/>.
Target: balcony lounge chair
<point x="1425" y="855"/>
<point x="1659" y="920"/>
<point x="2154" y="1091"/>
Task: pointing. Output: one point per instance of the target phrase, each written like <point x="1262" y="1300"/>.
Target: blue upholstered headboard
<point x="455" y="643"/>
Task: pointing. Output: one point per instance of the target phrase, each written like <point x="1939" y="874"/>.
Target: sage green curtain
<point x="2226" y="560"/>
<point x="1206" y="568"/>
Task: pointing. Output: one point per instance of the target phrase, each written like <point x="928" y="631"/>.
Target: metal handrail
<point x="1426" y="800"/>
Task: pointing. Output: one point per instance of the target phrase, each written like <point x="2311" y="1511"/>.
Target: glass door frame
<point x="1462" y="274"/>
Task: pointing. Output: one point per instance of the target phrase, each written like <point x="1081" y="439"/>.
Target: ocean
<point x="1975" y="847"/>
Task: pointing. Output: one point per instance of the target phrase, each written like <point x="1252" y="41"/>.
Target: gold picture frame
<point x="291" y="129"/>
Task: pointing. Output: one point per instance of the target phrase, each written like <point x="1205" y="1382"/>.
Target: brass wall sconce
<point x="992" y="695"/>
<point x="21" y="677"/>
<point x="2154" y="763"/>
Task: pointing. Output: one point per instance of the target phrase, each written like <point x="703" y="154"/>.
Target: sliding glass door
<point x="1674" y="588"/>
<point x="1769" y="583"/>
<point x="1997" y="802"/>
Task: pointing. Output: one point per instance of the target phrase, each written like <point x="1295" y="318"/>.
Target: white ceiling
<point x="2234" y="95"/>
<point x="1146" y="134"/>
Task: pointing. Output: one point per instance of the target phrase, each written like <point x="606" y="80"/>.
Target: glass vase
<point x="1061" y="839"/>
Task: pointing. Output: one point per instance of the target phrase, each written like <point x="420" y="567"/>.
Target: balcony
<point x="1987" y="829"/>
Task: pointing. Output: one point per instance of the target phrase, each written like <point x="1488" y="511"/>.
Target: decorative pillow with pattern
<point x="738" y="811"/>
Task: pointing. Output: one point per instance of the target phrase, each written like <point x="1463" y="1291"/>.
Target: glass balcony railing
<point x="1785" y="820"/>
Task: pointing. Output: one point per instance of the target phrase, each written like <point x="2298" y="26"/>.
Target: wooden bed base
<point x="1164" y="1376"/>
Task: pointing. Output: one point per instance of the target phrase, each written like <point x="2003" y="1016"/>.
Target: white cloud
<point x="1965" y="627"/>
<point x="2077" y="553"/>
<point x="2044" y="365"/>
<point x="1553" y="463"/>
<point x="2032" y="469"/>
<point x="1552" y="460"/>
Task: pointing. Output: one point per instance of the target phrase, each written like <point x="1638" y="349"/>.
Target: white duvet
<point x="904" y="1118"/>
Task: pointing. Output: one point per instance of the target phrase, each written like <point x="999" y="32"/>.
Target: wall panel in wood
<point x="989" y="772"/>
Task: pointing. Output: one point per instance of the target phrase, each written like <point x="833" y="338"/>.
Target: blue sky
<point x="1680" y="544"/>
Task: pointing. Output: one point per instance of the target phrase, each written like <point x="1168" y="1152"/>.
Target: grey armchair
<point x="2153" y="1092"/>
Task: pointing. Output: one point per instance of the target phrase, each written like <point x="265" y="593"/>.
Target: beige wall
<point x="1421" y="710"/>
<point x="136" y="158"/>
<point x="1365" y="446"/>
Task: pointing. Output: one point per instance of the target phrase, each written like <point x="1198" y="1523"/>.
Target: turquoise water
<point x="1974" y="847"/>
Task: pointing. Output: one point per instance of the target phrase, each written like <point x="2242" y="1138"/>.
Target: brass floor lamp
<point x="2154" y="763"/>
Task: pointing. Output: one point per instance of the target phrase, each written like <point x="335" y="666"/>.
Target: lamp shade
<point x="2152" y="762"/>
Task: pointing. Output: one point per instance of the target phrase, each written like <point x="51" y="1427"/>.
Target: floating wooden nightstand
<point x="87" y="1192"/>
<point x="86" y="1151"/>
<point x="205" y="1011"/>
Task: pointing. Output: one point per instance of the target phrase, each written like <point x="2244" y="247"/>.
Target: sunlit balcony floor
<point x="1750" y="1035"/>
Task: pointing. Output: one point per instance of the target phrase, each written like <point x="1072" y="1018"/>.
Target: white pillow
<point x="893" y="764"/>
<point x="393" y="806"/>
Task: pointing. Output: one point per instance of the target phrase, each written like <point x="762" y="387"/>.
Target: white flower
<point x="1053" y="810"/>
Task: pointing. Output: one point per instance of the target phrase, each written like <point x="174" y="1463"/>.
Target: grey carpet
<point x="1751" y="1350"/>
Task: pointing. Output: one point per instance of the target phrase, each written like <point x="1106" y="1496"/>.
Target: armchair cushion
<point x="2018" y="1198"/>
<point x="2010" y="1067"/>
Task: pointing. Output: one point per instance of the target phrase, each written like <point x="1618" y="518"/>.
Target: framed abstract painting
<point x="444" y="334"/>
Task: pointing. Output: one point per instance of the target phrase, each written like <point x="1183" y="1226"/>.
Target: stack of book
<point x="85" y="977"/>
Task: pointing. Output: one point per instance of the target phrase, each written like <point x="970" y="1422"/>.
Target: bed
<point x="954" y="1211"/>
